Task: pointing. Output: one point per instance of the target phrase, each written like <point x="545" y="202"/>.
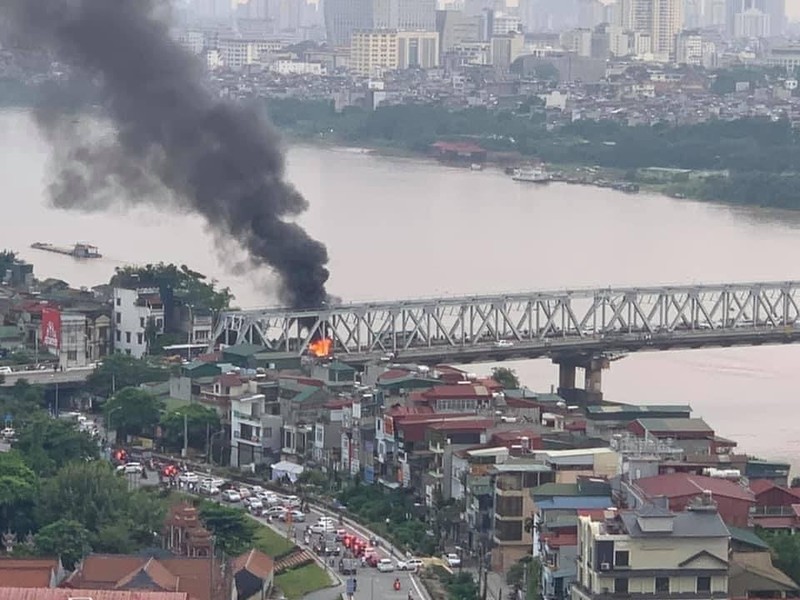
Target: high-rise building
<point x="661" y="19"/>
<point x="590" y="13"/>
<point x="378" y="50"/>
<point x="775" y="9"/>
<point x="343" y="17"/>
<point x="455" y="27"/>
<point x="751" y="23"/>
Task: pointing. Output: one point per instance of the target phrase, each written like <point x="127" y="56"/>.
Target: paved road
<point x="372" y="584"/>
<point x="48" y="377"/>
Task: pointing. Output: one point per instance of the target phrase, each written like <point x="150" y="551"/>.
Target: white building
<point x="134" y="312"/>
<point x="503" y="24"/>
<point x="238" y="52"/>
<point x="291" y="67"/>
<point x="255" y="434"/>
<point x="752" y="23"/>
<point x="689" y="49"/>
<point x="72" y="351"/>
<point x="577" y="41"/>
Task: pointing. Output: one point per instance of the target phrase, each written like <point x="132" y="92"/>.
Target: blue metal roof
<point x="574" y="502"/>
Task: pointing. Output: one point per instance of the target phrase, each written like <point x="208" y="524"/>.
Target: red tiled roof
<point x="758" y="486"/>
<point x="230" y="380"/>
<point x="25" y="578"/>
<point x="255" y="562"/>
<point x="514" y="435"/>
<point x="404" y="411"/>
<point x="775" y="522"/>
<point x="211" y="357"/>
<point x="676" y="485"/>
<point x="337" y="403"/>
<point x="16" y="593"/>
<point x="595" y="514"/>
<point x="578" y="425"/>
<point x="156" y="572"/>
<point x="393" y="374"/>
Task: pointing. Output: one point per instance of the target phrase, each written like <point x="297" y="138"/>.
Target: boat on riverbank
<point x="79" y="250"/>
<point x="530" y="175"/>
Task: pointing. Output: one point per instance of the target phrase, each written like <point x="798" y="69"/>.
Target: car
<point x="276" y="512"/>
<point x="452" y="559"/>
<point x="231" y="496"/>
<point x="188" y="477"/>
<point x="385" y="565"/>
<point x="322" y="527"/>
<point x="503" y="344"/>
<point x="296" y="516"/>
<point x="340" y="533"/>
<point x="207" y="489"/>
<point x="244" y="493"/>
<point x="131" y="467"/>
<point x="292" y="501"/>
<point x="410" y="564"/>
<point x="257" y="489"/>
<point x="255" y="505"/>
<point x="6" y="371"/>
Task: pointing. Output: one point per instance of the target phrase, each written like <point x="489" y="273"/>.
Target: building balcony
<point x="253" y="440"/>
<point x="243" y="416"/>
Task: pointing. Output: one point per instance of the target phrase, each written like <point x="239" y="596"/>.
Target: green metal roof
<point x="747" y="536"/>
<point x="244" y="350"/>
<point x="338" y="365"/>
<point x="10" y="331"/>
<point x="556" y="489"/>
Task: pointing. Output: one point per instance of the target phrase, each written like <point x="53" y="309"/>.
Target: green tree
<point x="132" y="411"/>
<point x="89" y="493"/>
<point x="785" y="551"/>
<point x="200" y="421"/>
<point x="18" y="490"/>
<point x="506" y="377"/>
<point x="175" y="283"/>
<point x="234" y="531"/>
<point x="119" y="371"/>
<point x="48" y="444"/>
<point x="65" y="538"/>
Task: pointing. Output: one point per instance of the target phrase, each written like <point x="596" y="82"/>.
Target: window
<point x="268" y="432"/>
<point x="662" y="585"/>
<point x="703" y="584"/>
<point x="119" y="318"/>
<point x="508" y="506"/>
<point x="72" y="355"/>
<point x="140" y="338"/>
<point x="119" y="302"/>
<point x="621" y="585"/>
<point x="621" y="558"/>
<point x="119" y="335"/>
<point x="141" y="322"/>
<point x="128" y="337"/>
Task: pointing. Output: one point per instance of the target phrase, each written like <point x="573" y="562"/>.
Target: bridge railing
<point x="532" y="318"/>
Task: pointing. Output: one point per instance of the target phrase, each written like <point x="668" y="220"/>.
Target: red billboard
<point x="51" y="328"/>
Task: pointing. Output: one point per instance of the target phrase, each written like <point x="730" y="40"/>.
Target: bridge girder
<point x="537" y="321"/>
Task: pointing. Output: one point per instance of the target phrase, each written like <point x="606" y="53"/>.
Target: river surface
<point x="406" y="228"/>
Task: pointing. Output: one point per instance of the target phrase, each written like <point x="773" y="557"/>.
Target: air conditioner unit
<point x="605" y="566"/>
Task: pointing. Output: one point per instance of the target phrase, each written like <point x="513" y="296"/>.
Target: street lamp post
<point x="108" y="422"/>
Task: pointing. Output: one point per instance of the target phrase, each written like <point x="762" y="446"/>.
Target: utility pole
<point x="185" y="451"/>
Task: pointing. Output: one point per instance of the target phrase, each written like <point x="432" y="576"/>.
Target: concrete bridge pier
<point x="593" y="366"/>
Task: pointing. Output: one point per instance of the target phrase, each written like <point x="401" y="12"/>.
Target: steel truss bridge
<point x="557" y="324"/>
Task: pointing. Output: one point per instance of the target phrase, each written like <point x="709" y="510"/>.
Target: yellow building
<point x="374" y="51"/>
<point x="655" y="552"/>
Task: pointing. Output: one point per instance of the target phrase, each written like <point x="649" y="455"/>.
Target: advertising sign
<point x="51" y="328"/>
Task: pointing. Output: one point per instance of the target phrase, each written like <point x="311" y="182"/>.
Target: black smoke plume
<point x="173" y="140"/>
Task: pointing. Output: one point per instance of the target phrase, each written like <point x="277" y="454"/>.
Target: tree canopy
<point x="506" y="377"/>
<point x="200" y="422"/>
<point x="119" y="371"/>
<point x="48" y="444"/>
<point x="133" y="411"/>
<point x="234" y="531"/>
<point x="65" y="538"/>
<point x="18" y="492"/>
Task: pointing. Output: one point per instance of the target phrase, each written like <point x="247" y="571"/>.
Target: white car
<point x="189" y="477"/>
<point x="452" y="559"/>
<point x="255" y="506"/>
<point x="207" y="489"/>
<point x="244" y="493"/>
<point x="292" y="501"/>
<point x="322" y="527"/>
<point x="410" y="564"/>
<point x="231" y="496"/>
<point x="503" y="344"/>
<point x="385" y="565"/>
<point x="276" y="512"/>
<point x="257" y="490"/>
<point x="131" y="467"/>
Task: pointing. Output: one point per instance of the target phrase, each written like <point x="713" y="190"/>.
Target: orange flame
<point x="321" y="348"/>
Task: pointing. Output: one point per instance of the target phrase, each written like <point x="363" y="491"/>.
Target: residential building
<point x="577" y="41"/>
<point x="752" y="23"/>
<point x="197" y="324"/>
<point x="661" y="20"/>
<point x="138" y="315"/>
<point x="253" y="575"/>
<point x="31" y="572"/>
<point x="513" y="506"/>
<point x="417" y="49"/>
<point x="506" y="49"/>
<point x="293" y="67"/>
<point x="22" y="593"/>
<point x="694" y="436"/>
<point x="455" y="27"/>
<point x="99" y="341"/>
<point x="72" y="351"/>
<point x="373" y="51"/>
<point x="653" y="551"/>
<point x="569" y="465"/>
<point x="239" y="52"/>
<point x="676" y="491"/>
<point x="247" y="430"/>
